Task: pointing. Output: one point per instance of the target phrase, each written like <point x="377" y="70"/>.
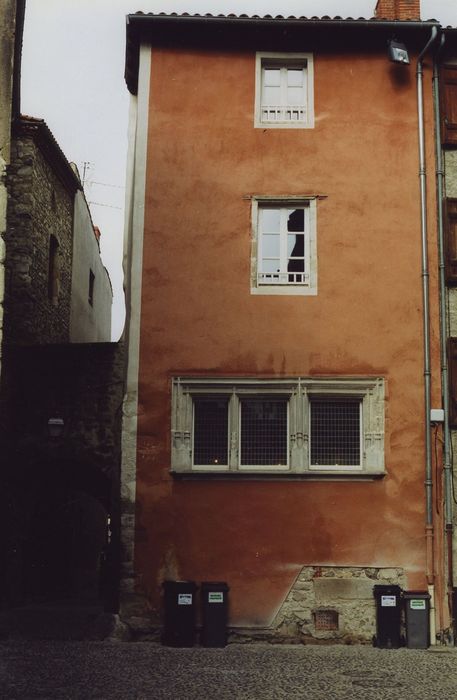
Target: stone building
<point x="61" y="381"/>
<point x="59" y="370"/>
<point x="39" y="237"/>
<point x="11" y="25"/>
<point x="57" y="289"/>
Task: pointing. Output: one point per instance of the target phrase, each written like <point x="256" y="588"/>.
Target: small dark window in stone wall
<point x="53" y="271"/>
<point x="91" y="287"/>
<point x="448" y="93"/>
<point x="326" y="620"/>
<point x="450" y="238"/>
<point x="452" y="366"/>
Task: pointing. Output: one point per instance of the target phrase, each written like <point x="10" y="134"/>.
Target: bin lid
<point x="217" y="585"/>
<point x="388" y="589"/>
<point x="423" y="595"/>
<point x="180" y="585"/>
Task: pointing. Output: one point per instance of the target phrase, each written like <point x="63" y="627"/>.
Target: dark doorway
<point x="64" y="548"/>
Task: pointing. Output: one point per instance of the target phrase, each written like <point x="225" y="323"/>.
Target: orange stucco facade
<point x="205" y="161"/>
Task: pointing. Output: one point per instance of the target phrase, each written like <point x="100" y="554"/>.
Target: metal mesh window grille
<point x="326" y="620"/>
<point x="335" y="432"/>
<point x="264" y="432"/>
<point x="210" y="431"/>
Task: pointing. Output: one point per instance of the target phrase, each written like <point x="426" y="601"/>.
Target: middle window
<point x="284" y="246"/>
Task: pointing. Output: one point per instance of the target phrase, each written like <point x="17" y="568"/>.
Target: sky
<point x="72" y="77"/>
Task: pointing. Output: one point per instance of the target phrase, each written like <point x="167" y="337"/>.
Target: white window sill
<point x="280" y="474"/>
<point x="284" y="290"/>
<point x="283" y="125"/>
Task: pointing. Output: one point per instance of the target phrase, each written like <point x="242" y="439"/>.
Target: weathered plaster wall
<point x="38" y="206"/>
<point x="88" y="323"/>
<point x="198" y="317"/>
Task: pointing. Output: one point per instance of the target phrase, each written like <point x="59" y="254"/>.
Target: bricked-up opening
<point x="325" y="620"/>
<point x="398" y="9"/>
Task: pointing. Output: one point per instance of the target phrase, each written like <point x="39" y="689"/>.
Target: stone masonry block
<point x="327" y="590"/>
<point x="388" y="575"/>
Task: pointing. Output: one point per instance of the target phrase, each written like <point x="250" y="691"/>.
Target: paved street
<point x="86" y="670"/>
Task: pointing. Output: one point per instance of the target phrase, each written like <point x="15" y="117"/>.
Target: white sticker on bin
<point x="215" y="597"/>
<point x="417" y="604"/>
<point x="184" y="598"/>
<point x="388" y="601"/>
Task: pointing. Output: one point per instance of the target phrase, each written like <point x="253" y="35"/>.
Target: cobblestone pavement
<point x="89" y="670"/>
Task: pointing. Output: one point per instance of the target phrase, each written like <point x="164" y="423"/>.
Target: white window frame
<point x="299" y="392"/>
<point x="284" y="61"/>
<point x="309" y="285"/>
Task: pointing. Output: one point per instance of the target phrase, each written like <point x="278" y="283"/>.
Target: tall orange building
<point x="283" y="407"/>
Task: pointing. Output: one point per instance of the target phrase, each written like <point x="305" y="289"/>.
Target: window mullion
<point x="307" y="251"/>
<point x="283" y="83"/>
<point x="283" y="241"/>
<point x="234" y="431"/>
<point x="298" y="431"/>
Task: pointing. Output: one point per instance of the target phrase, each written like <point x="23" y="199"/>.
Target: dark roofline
<point x="243" y="31"/>
<point x="38" y="130"/>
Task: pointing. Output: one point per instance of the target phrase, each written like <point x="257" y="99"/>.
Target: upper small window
<point x="284" y="90"/>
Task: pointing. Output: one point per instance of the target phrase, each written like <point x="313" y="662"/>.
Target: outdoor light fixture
<point x="55" y="427"/>
<point x="398" y="53"/>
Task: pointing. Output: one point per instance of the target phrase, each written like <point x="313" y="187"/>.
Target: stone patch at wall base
<point x="342" y="595"/>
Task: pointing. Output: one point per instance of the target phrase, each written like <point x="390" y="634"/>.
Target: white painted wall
<point x="88" y="324"/>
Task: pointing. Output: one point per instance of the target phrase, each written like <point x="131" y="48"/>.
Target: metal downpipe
<point x="429" y="533"/>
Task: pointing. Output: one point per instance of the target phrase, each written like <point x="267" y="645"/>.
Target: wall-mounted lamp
<point x="55" y="427"/>
<point x="397" y="52"/>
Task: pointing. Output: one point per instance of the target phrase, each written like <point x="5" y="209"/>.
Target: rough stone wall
<point x="347" y="591"/>
<point x="450" y="164"/>
<point x="38" y="206"/>
<point x="81" y="383"/>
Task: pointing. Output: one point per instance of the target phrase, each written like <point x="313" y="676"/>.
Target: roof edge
<point x="172" y="27"/>
<point x="38" y="130"/>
